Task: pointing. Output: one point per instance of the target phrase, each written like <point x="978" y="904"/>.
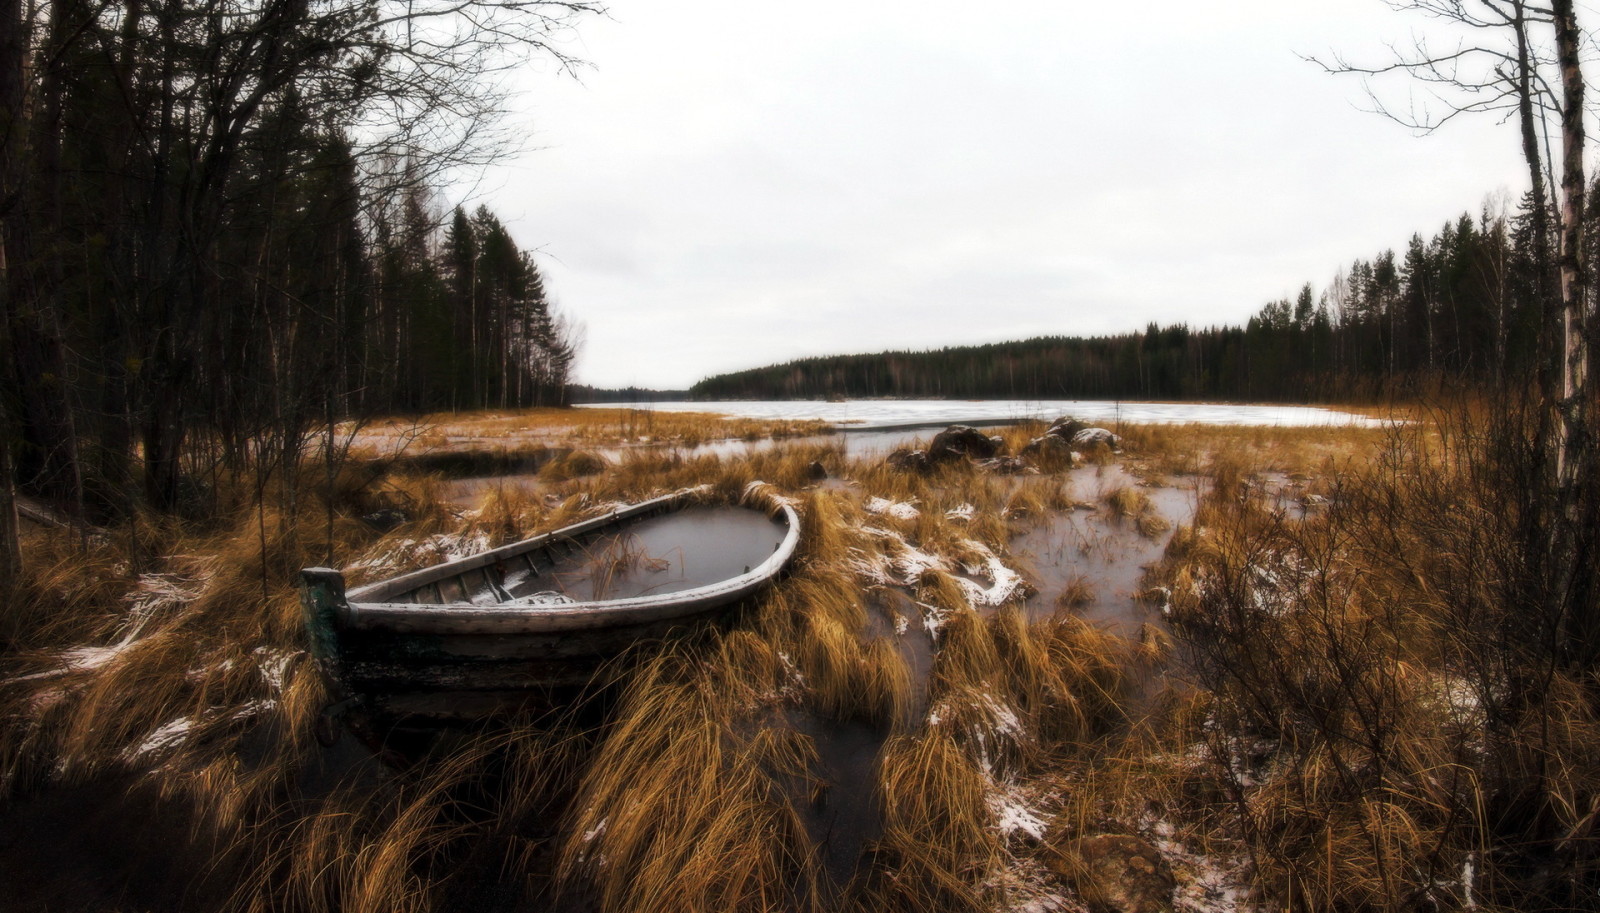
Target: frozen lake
<point x="869" y="414"/>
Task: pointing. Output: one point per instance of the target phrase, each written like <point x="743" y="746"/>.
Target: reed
<point x="679" y="810"/>
<point x="939" y="847"/>
<point x="694" y="792"/>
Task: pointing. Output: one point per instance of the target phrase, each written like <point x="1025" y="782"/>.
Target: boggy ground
<point x="919" y="717"/>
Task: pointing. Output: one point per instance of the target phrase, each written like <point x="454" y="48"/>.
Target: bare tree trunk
<point x="1541" y="206"/>
<point x="12" y="125"/>
<point x="10" y="529"/>
<point x="1573" y="355"/>
<point x="1572" y="444"/>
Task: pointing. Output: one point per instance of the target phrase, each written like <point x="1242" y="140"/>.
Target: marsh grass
<point x="1374" y="720"/>
<point x="696" y="790"/>
<point x="526" y="430"/>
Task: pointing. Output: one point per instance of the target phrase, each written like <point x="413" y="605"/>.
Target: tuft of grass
<point x="574" y="465"/>
<point x="678" y="810"/>
<point x="1077" y="593"/>
<point x="939" y="847"/>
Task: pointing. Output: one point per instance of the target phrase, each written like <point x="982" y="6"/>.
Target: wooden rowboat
<point x="474" y="636"/>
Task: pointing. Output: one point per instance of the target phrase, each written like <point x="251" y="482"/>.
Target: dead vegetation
<point x="1347" y="751"/>
<point x="533" y="430"/>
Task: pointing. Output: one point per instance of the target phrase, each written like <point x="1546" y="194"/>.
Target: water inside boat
<point x="669" y="553"/>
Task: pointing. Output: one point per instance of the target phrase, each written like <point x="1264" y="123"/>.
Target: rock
<point x="959" y="441"/>
<point x="1051" y="448"/>
<point x="910" y="460"/>
<point x="1088" y="437"/>
<point x="1065" y="427"/>
<point x="1117" y="873"/>
<point x="817" y="471"/>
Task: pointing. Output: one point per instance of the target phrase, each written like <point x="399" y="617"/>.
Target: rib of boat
<point x="473" y="636"/>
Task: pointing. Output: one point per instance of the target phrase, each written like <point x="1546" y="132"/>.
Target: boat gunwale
<point x="472" y="618"/>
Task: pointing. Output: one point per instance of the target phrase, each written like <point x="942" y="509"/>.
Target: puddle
<point x="843" y="816"/>
<point x="1098" y="557"/>
<point x="1291" y="494"/>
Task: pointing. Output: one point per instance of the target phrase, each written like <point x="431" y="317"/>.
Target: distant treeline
<point x="580" y="393"/>
<point x="1462" y="306"/>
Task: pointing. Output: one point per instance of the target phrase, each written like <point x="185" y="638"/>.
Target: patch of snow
<point x="965" y="513"/>
<point x="797" y="681"/>
<point x="75" y="659"/>
<point x="900" y="510"/>
<point x="395" y="556"/>
<point x="1012" y="817"/>
<point x="1005" y="583"/>
<point x="83" y="659"/>
<point x="152" y="594"/>
<point x="274" y="665"/>
<point x="874" y="569"/>
<point x="994" y="724"/>
<point x="164" y="738"/>
<point x="759" y="490"/>
<point x="1207" y="882"/>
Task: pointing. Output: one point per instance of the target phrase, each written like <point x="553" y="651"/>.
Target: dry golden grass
<point x="1201" y="449"/>
<point x="523" y="429"/>
<point x="696" y="791"/>
<point x="1359" y="674"/>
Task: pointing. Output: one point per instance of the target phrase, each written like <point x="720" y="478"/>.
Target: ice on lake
<point x="868" y="414"/>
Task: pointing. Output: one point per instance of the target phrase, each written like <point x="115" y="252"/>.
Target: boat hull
<point x="386" y="649"/>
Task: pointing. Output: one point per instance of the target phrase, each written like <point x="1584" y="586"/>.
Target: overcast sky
<point x="734" y="184"/>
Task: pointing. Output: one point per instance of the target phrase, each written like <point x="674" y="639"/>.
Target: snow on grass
<point x="1207" y="882"/>
<point x="171" y="735"/>
<point x="1029" y="887"/>
<point x="84" y="658"/>
<point x="899" y="510"/>
<point x="274" y="665"/>
<point x="758" y="491"/>
<point x="992" y="726"/>
<point x="903" y="564"/>
<point x="163" y="739"/>
<point x="964" y="514"/>
<point x="154" y="594"/>
<point x="1012" y="815"/>
<point x="1005" y="583"/>
<point x="395" y="556"/>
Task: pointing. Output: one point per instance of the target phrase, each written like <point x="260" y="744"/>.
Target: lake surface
<point x="870" y="414"/>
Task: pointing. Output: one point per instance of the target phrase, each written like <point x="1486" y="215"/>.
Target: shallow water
<point x="1107" y="554"/>
<point x="689" y="548"/>
<point x="931" y="413"/>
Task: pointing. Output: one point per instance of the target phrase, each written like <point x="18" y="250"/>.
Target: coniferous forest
<point x="223" y="229"/>
<point x="1462" y="307"/>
